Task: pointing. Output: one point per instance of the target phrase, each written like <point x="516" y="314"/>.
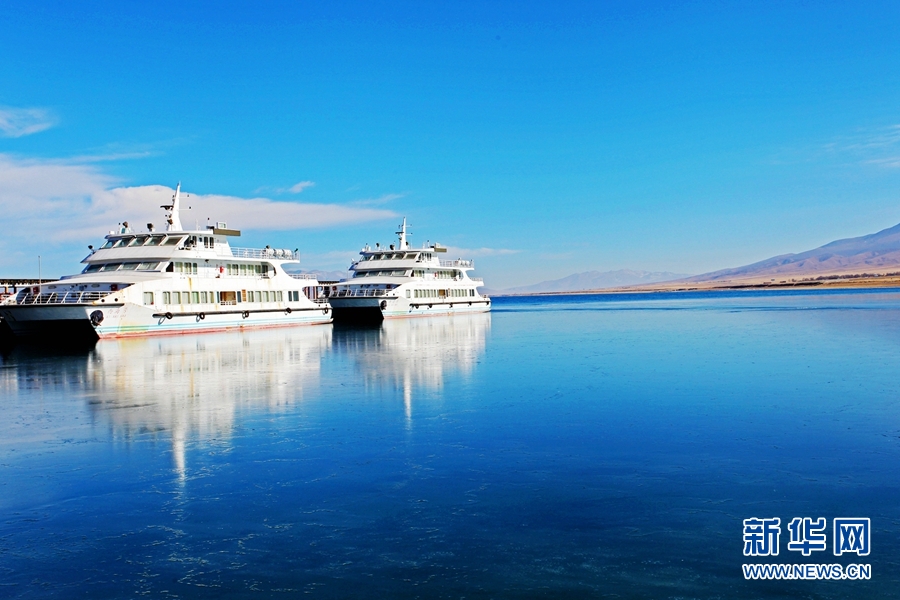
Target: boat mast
<point x="402" y="233"/>
<point x="173" y="221"/>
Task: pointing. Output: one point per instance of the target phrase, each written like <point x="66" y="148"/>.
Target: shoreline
<point x="870" y="282"/>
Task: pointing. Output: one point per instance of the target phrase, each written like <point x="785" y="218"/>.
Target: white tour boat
<point x="179" y="281"/>
<point x="399" y="281"/>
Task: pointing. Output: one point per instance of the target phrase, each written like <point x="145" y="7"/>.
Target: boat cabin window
<point x="148" y="266"/>
<point x="172" y="241"/>
<point x="110" y="267"/>
<point x="155" y="240"/>
<point x="411" y="256"/>
<point x="108" y="244"/>
<point x="138" y="240"/>
<point x="92" y="268"/>
<point x="129" y="266"/>
<point x="121" y="242"/>
<point x="186" y="268"/>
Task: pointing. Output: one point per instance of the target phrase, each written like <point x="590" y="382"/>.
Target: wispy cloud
<point x="300" y="186"/>
<point x="892" y="162"/>
<point x="55" y="202"/>
<point x="18" y="122"/>
<point x="294" y="189"/>
<point x="869" y="139"/>
<point x="879" y="147"/>
<point x="379" y="201"/>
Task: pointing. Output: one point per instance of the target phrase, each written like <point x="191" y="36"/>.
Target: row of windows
<point x="222" y="297"/>
<point x="130" y="266"/>
<point x="184" y="268"/>
<point x="205" y="241"/>
<point x="406" y="273"/>
<point x="393" y="256"/>
<point x="246" y="270"/>
<point x="388" y="273"/>
<point x="142" y="240"/>
<point x="457" y="293"/>
<point x="159" y="240"/>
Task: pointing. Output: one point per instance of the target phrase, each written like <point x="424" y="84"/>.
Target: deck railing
<point x="276" y="253"/>
<point x="73" y="297"/>
<point x="303" y="276"/>
<point x="458" y="263"/>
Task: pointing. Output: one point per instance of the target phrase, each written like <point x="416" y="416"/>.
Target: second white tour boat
<point x="400" y="281"/>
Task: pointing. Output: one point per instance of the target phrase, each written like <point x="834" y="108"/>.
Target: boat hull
<point x="60" y="323"/>
<point x="369" y="309"/>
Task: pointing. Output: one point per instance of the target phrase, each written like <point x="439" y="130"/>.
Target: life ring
<point x="245" y="314"/>
<point x="201" y="316"/>
<point x="287" y="310"/>
<point x="168" y="315"/>
<point x="383" y="304"/>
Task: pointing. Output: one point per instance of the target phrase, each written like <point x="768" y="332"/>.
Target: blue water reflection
<point x="571" y="446"/>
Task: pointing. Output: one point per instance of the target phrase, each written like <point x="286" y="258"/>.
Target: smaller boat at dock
<point x="401" y="281"/>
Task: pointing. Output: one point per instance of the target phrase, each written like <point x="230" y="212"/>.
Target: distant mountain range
<point x="877" y="253"/>
<point x="593" y="280"/>
<point x="874" y="253"/>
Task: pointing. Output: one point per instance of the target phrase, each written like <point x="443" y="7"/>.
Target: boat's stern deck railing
<point x="73" y="297"/>
<point x="262" y="253"/>
<point x="478" y="279"/>
<point x="304" y="276"/>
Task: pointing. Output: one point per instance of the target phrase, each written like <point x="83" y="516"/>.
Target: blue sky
<point x="542" y="139"/>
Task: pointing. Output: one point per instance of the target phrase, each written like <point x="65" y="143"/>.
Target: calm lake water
<point x="590" y="446"/>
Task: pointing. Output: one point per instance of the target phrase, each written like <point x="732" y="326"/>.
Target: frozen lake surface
<point x="590" y="446"/>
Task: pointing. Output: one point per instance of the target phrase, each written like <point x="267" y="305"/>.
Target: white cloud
<point x="892" y="162"/>
<point x="300" y="186"/>
<point x="16" y="122"/>
<point x="47" y="203"/>
<point x="383" y="199"/>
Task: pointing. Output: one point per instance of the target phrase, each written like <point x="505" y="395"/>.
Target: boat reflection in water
<point x="415" y="355"/>
<point x="194" y="388"/>
<point x="197" y="391"/>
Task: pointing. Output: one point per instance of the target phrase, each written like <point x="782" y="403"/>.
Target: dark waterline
<point x="564" y="446"/>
